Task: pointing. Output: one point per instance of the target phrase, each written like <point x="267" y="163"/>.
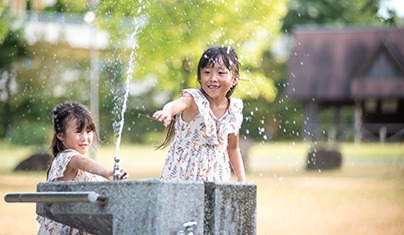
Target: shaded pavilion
<point x="350" y="67"/>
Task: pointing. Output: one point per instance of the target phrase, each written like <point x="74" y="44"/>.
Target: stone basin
<point x="155" y="207"/>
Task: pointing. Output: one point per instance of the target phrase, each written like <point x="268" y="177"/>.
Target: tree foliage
<point x="175" y="34"/>
<point x="68" y="6"/>
<point x="332" y="12"/>
<point x="12" y="51"/>
<point x="3" y="22"/>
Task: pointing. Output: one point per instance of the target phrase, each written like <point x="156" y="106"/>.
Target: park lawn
<point x="365" y="196"/>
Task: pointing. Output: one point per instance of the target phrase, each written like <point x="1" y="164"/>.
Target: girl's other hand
<point x="124" y="175"/>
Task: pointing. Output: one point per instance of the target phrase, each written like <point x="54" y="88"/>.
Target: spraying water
<point x="118" y="124"/>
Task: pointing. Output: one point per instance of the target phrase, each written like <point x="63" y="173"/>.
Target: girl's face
<point x="80" y="141"/>
<point x="216" y="81"/>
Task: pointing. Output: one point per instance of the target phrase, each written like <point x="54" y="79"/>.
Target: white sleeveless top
<point x="58" y="167"/>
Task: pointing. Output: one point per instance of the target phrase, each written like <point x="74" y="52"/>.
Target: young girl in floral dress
<point x="74" y="132"/>
<point x="204" y="123"/>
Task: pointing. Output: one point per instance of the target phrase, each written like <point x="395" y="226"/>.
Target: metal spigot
<point x="117" y="169"/>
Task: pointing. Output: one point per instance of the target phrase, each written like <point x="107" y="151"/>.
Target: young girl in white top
<point x="204" y="123"/>
<point x="74" y="132"/>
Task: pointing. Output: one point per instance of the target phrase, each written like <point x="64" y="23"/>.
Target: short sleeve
<point x="237" y="109"/>
<point x="235" y="118"/>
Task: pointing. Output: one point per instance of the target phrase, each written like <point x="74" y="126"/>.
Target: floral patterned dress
<point x="198" y="151"/>
<point x="58" y="167"/>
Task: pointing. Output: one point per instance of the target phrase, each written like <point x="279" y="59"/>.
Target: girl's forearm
<point x="175" y="107"/>
<point x="89" y="165"/>
<point x="99" y="169"/>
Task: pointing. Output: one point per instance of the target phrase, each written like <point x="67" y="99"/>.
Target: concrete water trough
<point x="147" y="206"/>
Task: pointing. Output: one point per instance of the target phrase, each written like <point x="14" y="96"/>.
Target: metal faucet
<point x="117" y="169"/>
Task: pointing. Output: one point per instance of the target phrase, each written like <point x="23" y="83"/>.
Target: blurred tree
<point x="50" y="74"/>
<point x="3" y="22"/>
<point x="334" y="12"/>
<point x="12" y="49"/>
<point x="174" y="34"/>
<point x="69" y="6"/>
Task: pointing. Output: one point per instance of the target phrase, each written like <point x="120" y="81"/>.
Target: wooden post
<point x="358" y="122"/>
<point x="310" y="121"/>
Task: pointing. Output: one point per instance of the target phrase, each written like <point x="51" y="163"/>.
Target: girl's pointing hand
<point x="163" y="116"/>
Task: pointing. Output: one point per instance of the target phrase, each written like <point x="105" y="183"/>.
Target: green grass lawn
<point x="365" y="196"/>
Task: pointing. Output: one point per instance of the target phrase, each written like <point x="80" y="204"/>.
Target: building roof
<point x="341" y="65"/>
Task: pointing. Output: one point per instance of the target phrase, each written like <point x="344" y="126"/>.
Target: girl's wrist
<point x="241" y="180"/>
<point x="110" y="175"/>
<point x="167" y="111"/>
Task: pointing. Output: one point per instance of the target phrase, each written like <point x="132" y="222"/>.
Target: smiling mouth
<point x="213" y="87"/>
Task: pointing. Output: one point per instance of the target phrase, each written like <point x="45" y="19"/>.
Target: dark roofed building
<point x="358" y="67"/>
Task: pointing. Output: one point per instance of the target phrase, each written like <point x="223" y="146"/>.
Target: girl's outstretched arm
<point x="89" y="165"/>
<point x="235" y="158"/>
<point x="173" y="108"/>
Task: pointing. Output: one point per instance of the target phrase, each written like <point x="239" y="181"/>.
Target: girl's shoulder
<point x="68" y="153"/>
<point x="60" y="163"/>
<point x="196" y="93"/>
<point x="235" y="112"/>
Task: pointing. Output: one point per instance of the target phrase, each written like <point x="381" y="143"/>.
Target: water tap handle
<point x="188" y="228"/>
<point x="117" y="169"/>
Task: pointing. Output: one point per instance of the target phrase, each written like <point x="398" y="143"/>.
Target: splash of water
<point x="118" y="125"/>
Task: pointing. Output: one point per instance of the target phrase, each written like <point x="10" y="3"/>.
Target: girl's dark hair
<point x="61" y="115"/>
<point x="229" y="57"/>
<point x="209" y="58"/>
